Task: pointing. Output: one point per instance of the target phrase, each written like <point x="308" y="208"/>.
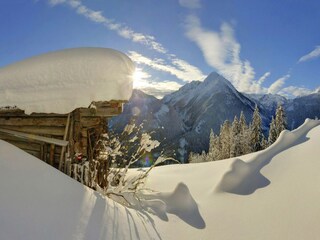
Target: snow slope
<point x="64" y="80"/>
<point x="38" y="202"/>
<point x="271" y="194"/>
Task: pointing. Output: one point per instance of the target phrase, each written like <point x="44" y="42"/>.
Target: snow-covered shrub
<point x="114" y="154"/>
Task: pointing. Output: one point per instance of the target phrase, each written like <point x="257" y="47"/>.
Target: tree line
<point x="239" y="138"/>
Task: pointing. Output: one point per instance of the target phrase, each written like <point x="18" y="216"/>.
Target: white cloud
<point x="56" y="2"/>
<point x="220" y="49"/>
<point x="172" y="65"/>
<point x="277" y="85"/>
<point x="264" y="77"/>
<point x="222" y="52"/>
<point x="192" y="4"/>
<point x="293" y="91"/>
<point x="159" y="89"/>
<point x="142" y="80"/>
<point x="178" y="68"/>
<point x="311" y="55"/>
<point x="95" y="16"/>
<point x="120" y="29"/>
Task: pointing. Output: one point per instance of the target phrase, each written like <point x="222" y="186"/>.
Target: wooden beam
<point x="51" y="158"/>
<point x="64" y="138"/>
<point x="33" y="121"/>
<point x="35" y="137"/>
<point x="37" y="130"/>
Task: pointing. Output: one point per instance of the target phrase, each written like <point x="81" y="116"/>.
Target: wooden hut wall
<point x="85" y="126"/>
<point x="48" y="125"/>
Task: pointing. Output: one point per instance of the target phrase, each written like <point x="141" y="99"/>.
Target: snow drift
<point x="64" y="80"/>
<point x="271" y="194"/>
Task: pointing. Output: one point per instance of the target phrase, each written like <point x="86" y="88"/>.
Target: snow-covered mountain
<point x="301" y="108"/>
<point x="182" y="120"/>
<point x="297" y="109"/>
<point x="153" y="114"/>
<point x="268" y="101"/>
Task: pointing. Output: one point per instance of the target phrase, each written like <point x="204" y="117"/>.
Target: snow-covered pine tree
<point x="280" y="121"/>
<point x="264" y="142"/>
<point x="225" y="139"/>
<point x="215" y="148"/>
<point x="244" y="135"/>
<point x="272" y="132"/>
<point x="195" y="158"/>
<point x="204" y="157"/>
<point x="256" y="131"/>
<point x="213" y="145"/>
<point x="235" y="145"/>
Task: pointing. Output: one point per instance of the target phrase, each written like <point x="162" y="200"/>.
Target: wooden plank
<point x="35" y="137"/>
<point x="34" y="153"/>
<point x="47" y="115"/>
<point x="51" y="158"/>
<point x="7" y="112"/>
<point x="42" y="152"/>
<point x="30" y="121"/>
<point x="90" y="121"/>
<point x="27" y="146"/>
<point x="52" y="131"/>
<point x="71" y="141"/>
<point x="84" y="132"/>
<point x="107" y="112"/>
<point x="84" y="142"/>
<point x="24" y="142"/>
<point x="23" y="115"/>
<point x="64" y="138"/>
<point x="57" y="150"/>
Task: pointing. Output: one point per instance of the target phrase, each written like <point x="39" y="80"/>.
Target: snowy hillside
<point x="64" y="80"/>
<point x="270" y="194"/>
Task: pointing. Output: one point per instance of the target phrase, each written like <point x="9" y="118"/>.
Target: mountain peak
<point x="214" y="75"/>
<point x="216" y="82"/>
<point x="137" y="93"/>
<point x="217" y="79"/>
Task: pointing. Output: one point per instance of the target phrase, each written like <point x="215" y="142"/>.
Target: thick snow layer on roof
<point x="61" y="81"/>
<point x="271" y="194"/>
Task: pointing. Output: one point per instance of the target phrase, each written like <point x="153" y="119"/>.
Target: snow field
<point x="190" y="201"/>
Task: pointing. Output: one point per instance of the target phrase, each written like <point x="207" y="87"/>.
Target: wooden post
<point x="51" y="159"/>
<point x="62" y="157"/>
<point x="42" y="153"/>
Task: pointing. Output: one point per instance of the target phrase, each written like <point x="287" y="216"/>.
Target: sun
<point x="139" y="78"/>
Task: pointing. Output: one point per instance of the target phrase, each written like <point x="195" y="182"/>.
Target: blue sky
<point x="260" y="46"/>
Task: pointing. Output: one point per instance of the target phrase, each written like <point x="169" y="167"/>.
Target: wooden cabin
<point x="55" y="138"/>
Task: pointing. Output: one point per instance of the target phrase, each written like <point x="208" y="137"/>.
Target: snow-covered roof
<point x="64" y="80"/>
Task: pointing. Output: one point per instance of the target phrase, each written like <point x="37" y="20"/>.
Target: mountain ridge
<point x="183" y="119"/>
